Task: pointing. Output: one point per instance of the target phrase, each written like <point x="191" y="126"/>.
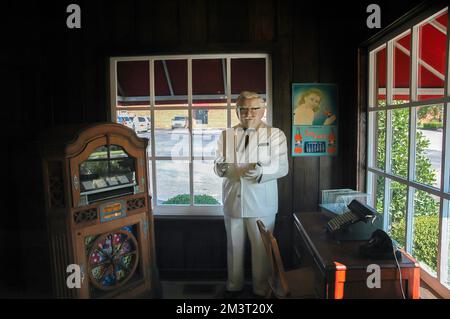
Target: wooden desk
<point x="340" y="272"/>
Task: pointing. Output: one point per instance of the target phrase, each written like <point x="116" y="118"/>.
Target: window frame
<point x="440" y="282"/>
<point x="191" y="209"/>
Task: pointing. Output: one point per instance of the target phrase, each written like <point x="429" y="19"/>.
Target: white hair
<point x="248" y="95"/>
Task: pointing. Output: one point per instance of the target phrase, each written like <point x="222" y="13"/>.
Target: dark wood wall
<point x="58" y="76"/>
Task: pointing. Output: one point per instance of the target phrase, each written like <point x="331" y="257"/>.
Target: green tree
<point x="425" y="234"/>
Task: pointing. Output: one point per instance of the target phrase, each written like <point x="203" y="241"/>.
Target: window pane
<point x="172" y="182"/>
<point x="125" y="118"/>
<point x="248" y="75"/>
<point x="400" y="137"/>
<point x="402" y="74"/>
<point x="207" y="123"/>
<point x="171" y="133"/>
<point x="380" y="139"/>
<point x="139" y="121"/>
<point x="133" y="83"/>
<point x="380" y="77"/>
<point x="429" y="144"/>
<point x="207" y="186"/>
<point x="426" y="229"/>
<point x="150" y="178"/>
<point x="431" y="60"/>
<point x="209" y="82"/>
<point x="397" y="212"/>
<point x="171" y="83"/>
<point x="376" y="189"/>
<point x="379" y="194"/>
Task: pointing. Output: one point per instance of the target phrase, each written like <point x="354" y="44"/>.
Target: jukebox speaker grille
<point x="56" y="184"/>
<point x="135" y="203"/>
<point x="85" y="215"/>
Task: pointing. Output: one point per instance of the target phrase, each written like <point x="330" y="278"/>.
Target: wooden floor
<point x="215" y="289"/>
<point x="186" y="290"/>
<point x="199" y="290"/>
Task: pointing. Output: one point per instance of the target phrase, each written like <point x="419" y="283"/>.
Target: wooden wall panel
<point x="262" y="18"/>
<point x="305" y="66"/>
<point x="330" y="172"/>
<point x="282" y="76"/>
<point x="165" y="16"/>
<point x="144" y="22"/>
<point x="193" y="22"/>
<point x="123" y="22"/>
<point x="228" y="21"/>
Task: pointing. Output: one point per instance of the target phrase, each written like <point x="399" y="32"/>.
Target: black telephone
<point x="358" y="212"/>
<point x="380" y="246"/>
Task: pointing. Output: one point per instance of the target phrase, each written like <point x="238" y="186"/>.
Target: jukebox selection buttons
<point x="113" y="210"/>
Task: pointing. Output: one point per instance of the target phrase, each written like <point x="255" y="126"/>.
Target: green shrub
<point x="425" y="239"/>
<point x="432" y="125"/>
<point x="184" y="199"/>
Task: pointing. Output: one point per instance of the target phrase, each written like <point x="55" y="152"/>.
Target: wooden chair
<point x="297" y="283"/>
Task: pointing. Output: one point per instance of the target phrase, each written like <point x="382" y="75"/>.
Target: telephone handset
<point x="358" y="212"/>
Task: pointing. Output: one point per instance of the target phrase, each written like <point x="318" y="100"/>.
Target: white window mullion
<point x="387" y="165"/>
<point x="372" y="79"/>
<point x="113" y="89"/>
<point x="390" y="72"/>
<point x="371" y="161"/>
<point x="370" y="188"/>
<point x="191" y="131"/>
<point x="412" y="145"/>
<point x="409" y="219"/>
<point x="387" y="203"/>
<point x="414" y="62"/>
<point x="371" y="150"/>
<point x="228" y="92"/>
<point x="269" y="106"/>
<point x="370" y="147"/>
<point x="152" y="130"/>
<point x="443" y="244"/>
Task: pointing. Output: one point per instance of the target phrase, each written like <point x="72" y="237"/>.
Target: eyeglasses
<point x="247" y="109"/>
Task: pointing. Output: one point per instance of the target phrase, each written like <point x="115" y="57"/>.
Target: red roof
<point x="208" y="80"/>
<point x="431" y="58"/>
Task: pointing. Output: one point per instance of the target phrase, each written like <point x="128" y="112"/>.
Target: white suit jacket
<point x="251" y="198"/>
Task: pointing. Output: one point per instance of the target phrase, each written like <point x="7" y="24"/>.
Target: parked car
<point x="180" y="121"/>
<point x="125" y="120"/>
<point x="141" y="124"/>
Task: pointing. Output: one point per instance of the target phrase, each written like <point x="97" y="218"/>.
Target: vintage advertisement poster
<point x="314" y="119"/>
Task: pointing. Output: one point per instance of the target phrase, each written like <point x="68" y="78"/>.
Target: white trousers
<point x="236" y="229"/>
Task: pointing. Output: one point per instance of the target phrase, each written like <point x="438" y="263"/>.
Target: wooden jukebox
<point x="98" y="210"/>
